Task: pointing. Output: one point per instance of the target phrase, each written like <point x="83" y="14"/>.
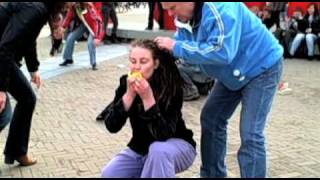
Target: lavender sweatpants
<point x="164" y="160"/>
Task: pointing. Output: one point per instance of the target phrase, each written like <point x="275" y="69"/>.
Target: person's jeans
<point x="76" y="35"/>
<point x="310" y="39"/>
<point x="256" y="99"/>
<point x="296" y="43"/>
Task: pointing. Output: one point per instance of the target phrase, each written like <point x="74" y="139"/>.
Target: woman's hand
<point x="36" y="79"/>
<point x="130" y="95"/>
<point x="165" y="43"/>
<point x="144" y="90"/>
<point x="3" y="99"/>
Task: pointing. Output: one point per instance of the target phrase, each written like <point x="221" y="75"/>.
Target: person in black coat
<point x="153" y="103"/>
<point x="20" y="25"/>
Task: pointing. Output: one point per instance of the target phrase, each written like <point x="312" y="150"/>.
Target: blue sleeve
<point x="223" y="37"/>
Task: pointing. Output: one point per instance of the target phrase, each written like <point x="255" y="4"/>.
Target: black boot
<point x="67" y="62"/>
<point x="94" y="67"/>
<point x="310" y="58"/>
<point x="114" y="39"/>
<point x="52" y="52"/>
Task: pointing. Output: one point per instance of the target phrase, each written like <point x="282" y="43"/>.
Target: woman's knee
<point x="310" y="38"/>
<point x="160" y="149"/>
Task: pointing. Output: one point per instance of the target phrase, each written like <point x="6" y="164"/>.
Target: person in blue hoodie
<point x="231" y="44"/>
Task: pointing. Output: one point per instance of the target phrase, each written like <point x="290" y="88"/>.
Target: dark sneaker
<point x="191" y="97"/>
<point x="66" y="62"/>
<point x="94" y="67"/>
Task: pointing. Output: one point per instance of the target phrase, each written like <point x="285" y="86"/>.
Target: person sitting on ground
<point x="294" y="25"/>
<point x="151" y="97"/>
<point x="196" y="83"/>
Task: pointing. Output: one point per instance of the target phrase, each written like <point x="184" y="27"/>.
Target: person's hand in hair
<point x="3" y="99"/>
<point x="165" y="43"/>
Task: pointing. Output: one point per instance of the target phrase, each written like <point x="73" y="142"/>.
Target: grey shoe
<point x="191" y="97"/>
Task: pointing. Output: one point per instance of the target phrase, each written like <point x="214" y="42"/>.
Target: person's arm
<point x="162" y="123"/>
<point x="316" y="26"/>
<point x="68" y="18"/>
<point x="115" y="113"/>
<point x="223" y="39"/>
<point x="31" y="58"/>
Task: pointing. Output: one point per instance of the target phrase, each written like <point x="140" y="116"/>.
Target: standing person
<point x="20" y="25"/>
<point x="152" y="6"/>
<point x="161" y="145"/>
<point x="109" y="11"/>
<point x="231" y="44"/>
<point x="84" y="14"/>
<point x="277" y="8"/>
<point x="56" y="36"/>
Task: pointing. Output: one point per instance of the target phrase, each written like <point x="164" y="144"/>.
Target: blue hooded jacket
<point x="229" y="42"/>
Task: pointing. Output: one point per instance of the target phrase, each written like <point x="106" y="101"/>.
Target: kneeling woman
<point x="151" y="97"/>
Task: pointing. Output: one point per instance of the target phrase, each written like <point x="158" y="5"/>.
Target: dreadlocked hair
<point x="166" y="82"/>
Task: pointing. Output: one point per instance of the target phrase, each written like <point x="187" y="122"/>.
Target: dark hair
<point x="166" y="82"/>
<point x="316" y="10"/>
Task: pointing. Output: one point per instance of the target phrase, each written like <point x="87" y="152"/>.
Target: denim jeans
<point x="310" y="39"/>
<point x="75" y="35"/>
<point x="256" y="99"/>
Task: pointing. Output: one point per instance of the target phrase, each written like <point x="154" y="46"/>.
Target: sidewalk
<point x="68" y="142"/>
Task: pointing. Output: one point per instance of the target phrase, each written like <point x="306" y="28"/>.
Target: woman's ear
<point x="157" y="63"/>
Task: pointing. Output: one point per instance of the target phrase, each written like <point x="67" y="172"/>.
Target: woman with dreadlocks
<point x="151" y="97"/>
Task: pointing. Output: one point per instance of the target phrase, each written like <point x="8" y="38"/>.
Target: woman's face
<point x="141" y="60"/>
<point x="311" y="10"/>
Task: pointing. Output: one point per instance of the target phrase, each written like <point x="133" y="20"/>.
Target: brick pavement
<point x="68" y="142"/>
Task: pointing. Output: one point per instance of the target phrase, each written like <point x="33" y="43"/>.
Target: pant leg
<point x="114" y="18"/>
<point x="311" y="40"/>
<point x="166" y="159"/>
<point x="257" y="99"/>
<point x="161" y="17"/>
<point x="73" y="36"/>
<point x="219" y="107"/>
<point x="4" y="19"/>
<point x="5" y="115"/>
<point x="19" y="132"/>
<point x="151" y="5"/>
<point x="296" y="43"/>
<point x="92" y="50"/>
<point x="105" y="17"/>
<point x="127" y="164"/>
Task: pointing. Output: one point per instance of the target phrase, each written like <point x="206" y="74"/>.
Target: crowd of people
<point x="299" y="34"/>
